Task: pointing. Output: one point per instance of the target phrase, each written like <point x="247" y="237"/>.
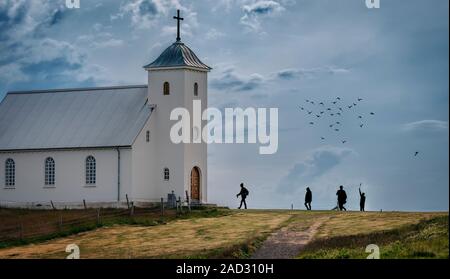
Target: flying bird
<point x="360" y="117"/>
<point x="372" y="113"/>
<point x="312" y="103"/>
<point x="322" y="138"/>
<point x="328" y="109"/>
<point x="344" y="141"/>
<point x="331" y="126"/>
<point x="309" y="112"/>
<point x="338" y="113"/>
<point x="334" y="102"/>
<point x="321" y="103"/>
<point x="340" y="109"/>
<point x="332" y="114"/>
<point x="317" y="115"/>
<point x="354" y="104"/>
<point x="307" y="100"/>
<point x="350" y="107"/>
<point x="311" y="123"/>
<point x="339" y="123"/>
<point x="322" y="112"/>
<point x="338" y="98"/>
<point x="416" y="153"/>
<point x="361" y="125"/>
<point x="337" y="130"/>
<point x="359" y="99"/>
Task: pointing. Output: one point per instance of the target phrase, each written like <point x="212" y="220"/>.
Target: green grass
<point x="426" y="240"/>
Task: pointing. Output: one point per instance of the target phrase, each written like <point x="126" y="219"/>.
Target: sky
<point x="272" y="54"/>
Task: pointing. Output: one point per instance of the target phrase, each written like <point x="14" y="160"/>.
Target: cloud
<point x="231" y="81"/>
<point x="318" y="163"/>
<point x="254" y="11"/>
<point x="310" y="73"/>
<point x="27" y="53"/>
<point x="425" y="127"/>
<point x="213" y="34"/>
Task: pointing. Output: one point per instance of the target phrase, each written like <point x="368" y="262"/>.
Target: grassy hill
<point x="221" y="233"/>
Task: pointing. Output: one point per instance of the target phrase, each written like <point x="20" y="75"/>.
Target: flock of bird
<point x="332" y="112"/>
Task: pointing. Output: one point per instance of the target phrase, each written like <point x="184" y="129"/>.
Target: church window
<point x="166" y="88"/>
<point x="10" y="173"/>
<point x="49" y="172"/>
<point x="195" y="89"/>
<point x="166" y="174"/>
<point x="90" y="170"/>
<point x="147" y="136"/>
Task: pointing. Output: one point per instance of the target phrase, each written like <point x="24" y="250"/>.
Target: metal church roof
<point x="73" y="118"/>
<point x="178" y="55"/>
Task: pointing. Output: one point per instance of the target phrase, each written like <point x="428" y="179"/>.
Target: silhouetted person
<point x="308" y="198"/>
<point x="362" y="201"/>
<point x="243" y="193"/>
<point x="342" y="198"/>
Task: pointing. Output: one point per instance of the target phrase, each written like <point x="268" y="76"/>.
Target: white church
<point x="104" y="145"/>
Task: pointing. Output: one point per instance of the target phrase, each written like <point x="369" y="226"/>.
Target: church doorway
<point x="195" y="184"/>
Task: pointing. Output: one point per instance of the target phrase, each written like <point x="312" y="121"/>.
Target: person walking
<point x="342" y="198"/>
<point x="243" y="193"/>
<point x="308" y="198"/>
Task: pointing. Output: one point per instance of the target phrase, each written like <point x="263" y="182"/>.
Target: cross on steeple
<point x="178" y="18"/>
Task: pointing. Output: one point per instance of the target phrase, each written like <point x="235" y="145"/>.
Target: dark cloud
<point x="148" y="8"/>
<point x="319" y="163"/>
<point x="231" y="81"/>
<point x="287" y="74"/>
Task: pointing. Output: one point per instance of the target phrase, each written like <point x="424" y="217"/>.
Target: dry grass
<point x="181" y="238"/>
<point x="209" y="237"/>
<point x="353" y="223"/>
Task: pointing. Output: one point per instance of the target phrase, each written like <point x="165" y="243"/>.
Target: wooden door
<point x="195" y="184"/>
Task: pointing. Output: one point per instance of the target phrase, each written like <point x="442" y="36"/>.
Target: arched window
<point x="166" y="88"/>
<point x="195" y="89"/>
<point x="90" y="170"/>
<point x="166" y="174"/>
<point x="49" y="172"/>
<point x="10" y="173"/>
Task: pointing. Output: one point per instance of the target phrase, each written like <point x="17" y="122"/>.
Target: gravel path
<point x="287" y="242"/>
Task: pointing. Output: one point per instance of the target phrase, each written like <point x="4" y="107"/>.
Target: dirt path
<point x="287" y="242"/>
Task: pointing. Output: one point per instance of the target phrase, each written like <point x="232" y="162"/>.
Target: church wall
<point x="162" y="152"/>
<point x="70" y="186"/>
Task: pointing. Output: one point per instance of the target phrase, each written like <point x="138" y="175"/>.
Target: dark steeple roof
<point x="178" y="55"/>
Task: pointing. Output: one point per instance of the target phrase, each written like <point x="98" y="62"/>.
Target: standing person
<point x="243" y="193"/>
<point x="342" y="198"/>
<point x="362" y="201"/>
<point x="308" y="198"/>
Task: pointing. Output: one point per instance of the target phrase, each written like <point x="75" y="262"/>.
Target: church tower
<point x="175" y="79"/>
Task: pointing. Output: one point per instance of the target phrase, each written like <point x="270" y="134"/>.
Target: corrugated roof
<point x="178" y="55"/>
<point x="73" y="118"/>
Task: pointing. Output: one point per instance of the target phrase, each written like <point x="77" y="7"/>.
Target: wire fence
<point x="59" y="222"/>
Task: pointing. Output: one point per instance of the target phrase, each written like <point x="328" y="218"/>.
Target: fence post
<point x="128" y="202"/>
<point x="84" y="204"/>
<point x="132" y="209"/>
<point x="53" y="206"/>
<point x="98" y="216"/>
<point x="188" y="201"/>
<point x="181" y="205"/>
<point x="162" y="206"/>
